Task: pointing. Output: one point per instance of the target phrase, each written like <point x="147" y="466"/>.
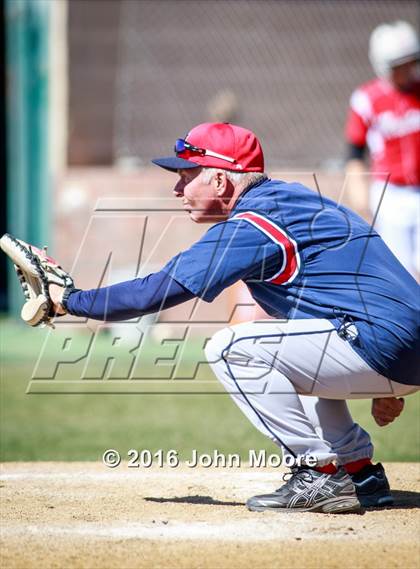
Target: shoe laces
<point x="297" y="474"/>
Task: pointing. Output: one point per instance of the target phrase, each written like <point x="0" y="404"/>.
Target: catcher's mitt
<point x="36" y="271"/>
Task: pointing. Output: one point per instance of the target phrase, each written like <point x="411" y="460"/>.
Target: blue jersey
<point x="304" y="256"/>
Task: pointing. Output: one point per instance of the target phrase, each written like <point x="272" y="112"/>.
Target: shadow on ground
<point x="404" y="500"/>
<point x="206" y="500"/>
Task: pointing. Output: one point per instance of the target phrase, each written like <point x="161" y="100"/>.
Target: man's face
<point x="200" y="200"/>
<point x="406" y="76"/>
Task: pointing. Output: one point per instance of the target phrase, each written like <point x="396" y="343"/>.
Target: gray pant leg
<point x="348" y="440"/>
<point x="268" y="366"/>
<point x="267" y="398"/>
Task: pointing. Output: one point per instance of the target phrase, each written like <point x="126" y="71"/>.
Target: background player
<point x="329" y="283"/>
<point x="384" y="117"/>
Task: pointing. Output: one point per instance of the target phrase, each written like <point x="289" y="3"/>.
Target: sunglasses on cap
<point x="182" y="145"/>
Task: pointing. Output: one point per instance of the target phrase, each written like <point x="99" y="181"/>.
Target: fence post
<point x="27" y="83"/>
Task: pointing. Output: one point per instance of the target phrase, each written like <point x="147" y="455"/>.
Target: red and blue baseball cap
<point x="216" y="145"/>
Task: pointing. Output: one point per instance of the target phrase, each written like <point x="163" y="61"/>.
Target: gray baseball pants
<point x="292" y="380"/>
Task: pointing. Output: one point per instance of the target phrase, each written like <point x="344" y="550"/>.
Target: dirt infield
<point x="85" y="515"/>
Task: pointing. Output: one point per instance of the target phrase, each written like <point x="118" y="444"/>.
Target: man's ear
<point x="220" y="183"/>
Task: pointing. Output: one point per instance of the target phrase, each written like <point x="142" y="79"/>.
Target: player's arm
<point x="124" y="300"/>
<point x="228" y="252"/>
<point x="357" y="176"/>
<point x="357" y="179"/>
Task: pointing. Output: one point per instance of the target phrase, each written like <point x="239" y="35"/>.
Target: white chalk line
<point x="133" y="474"/>
<point x="276" y="527"/>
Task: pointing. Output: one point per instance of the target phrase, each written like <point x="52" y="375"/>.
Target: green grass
<point x="81" y="426"/>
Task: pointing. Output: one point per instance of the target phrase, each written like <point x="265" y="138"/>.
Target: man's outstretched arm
<point x="125" y="300"/>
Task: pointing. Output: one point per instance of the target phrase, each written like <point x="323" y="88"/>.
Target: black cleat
<point x="372" y="486"/>
<point x="308" y="490"/>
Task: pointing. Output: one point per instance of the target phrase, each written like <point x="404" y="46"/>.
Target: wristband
<point x="67" y="292"/>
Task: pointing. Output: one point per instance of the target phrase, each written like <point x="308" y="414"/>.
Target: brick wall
<point x="142" y="73"/>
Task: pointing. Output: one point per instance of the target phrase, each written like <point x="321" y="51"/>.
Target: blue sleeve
<point x="128" y="299"/>
<point x="229" y="251"/>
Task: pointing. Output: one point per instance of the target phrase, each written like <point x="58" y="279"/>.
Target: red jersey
<point x="388" y="121"/>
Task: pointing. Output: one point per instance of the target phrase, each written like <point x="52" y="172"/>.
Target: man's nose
<point x="179" y="189"/>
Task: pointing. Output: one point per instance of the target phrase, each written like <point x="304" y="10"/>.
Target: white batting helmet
<point x="391" y="45"/>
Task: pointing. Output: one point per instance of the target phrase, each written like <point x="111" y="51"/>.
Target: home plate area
<point x="86" y="515"/>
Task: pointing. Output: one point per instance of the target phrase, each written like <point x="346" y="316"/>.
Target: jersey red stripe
<point x="291" y="261"/>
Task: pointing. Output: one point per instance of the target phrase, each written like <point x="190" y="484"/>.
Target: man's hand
<point x="56" y="293"/>
<point x="386" y="409"/>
